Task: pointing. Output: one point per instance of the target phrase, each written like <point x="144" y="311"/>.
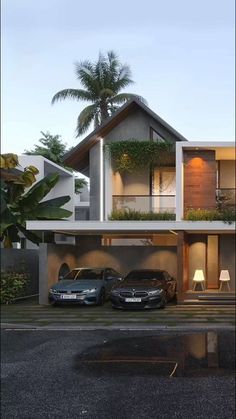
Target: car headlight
<point x="155" y="292"/>
<point x="52" y="291"/>
<point x="90" y="290"/>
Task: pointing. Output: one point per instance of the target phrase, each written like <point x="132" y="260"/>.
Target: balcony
<point x="145" y="203"/>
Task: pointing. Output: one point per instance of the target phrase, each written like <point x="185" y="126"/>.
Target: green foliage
<point x="80" y="183"/>
<point x="12" y="285"/>
<point x="102" y="82"/>
<point x="17" y="207"/>
<point x="54" y="149"/>
<point x="132" y="155"/>
<point x="51" y="147"/>
<point x="123" y="214"/>
<point x="227" y="215"/>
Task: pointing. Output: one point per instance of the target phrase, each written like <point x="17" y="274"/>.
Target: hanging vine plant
<point x="131" y="155"/>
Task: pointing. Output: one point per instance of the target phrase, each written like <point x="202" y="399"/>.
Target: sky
<point x="181" y="54"/>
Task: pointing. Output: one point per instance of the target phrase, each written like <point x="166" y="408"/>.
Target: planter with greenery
<point x="123" y="214"/>
<point x="132" y="155"/>
<point x="12" y="286"/>
<point x="227" y="215"/>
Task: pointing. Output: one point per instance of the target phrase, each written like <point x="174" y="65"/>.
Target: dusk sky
<point x="181" y="54"/>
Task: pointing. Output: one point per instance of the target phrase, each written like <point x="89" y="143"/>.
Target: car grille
<point x="126" y="294"/>
<point x="138" y="294"/>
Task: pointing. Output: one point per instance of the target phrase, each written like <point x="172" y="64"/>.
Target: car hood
<point x="73" y="285"/>
<point x="139" y="284"/>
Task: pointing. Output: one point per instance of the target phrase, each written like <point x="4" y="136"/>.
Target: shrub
<point x="227" y="215"/>
<point x="12" y="285"/>
<point x="124" y="214"/>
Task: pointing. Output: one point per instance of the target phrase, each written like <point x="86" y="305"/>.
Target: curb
<point x="181" y="328"/>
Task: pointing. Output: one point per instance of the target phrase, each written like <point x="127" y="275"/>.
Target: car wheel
<point x="164" y="301"/>
<point x="102" y="297"/>
<point x="174" y="299"/>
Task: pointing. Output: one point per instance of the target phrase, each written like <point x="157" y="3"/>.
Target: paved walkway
<point x="79" y="316"/>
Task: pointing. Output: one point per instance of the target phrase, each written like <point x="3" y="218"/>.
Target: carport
<point x="185" y="250"/>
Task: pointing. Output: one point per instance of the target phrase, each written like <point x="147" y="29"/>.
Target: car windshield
<point x="144" y="275"/>
<point x="85" y="274"/>
<point x="72" y="274"/>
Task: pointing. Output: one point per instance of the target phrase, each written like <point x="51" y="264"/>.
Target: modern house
<point x="188" y="199"/>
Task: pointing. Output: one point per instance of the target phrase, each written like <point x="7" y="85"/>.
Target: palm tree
<point x="102" y="82"/>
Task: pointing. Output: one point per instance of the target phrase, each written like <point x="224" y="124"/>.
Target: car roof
<point x="147" y="270"/>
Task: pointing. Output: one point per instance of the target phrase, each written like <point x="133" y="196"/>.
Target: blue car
<point x="84" y="286"/>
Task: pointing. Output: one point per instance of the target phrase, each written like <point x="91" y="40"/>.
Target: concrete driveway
<point x="81" y="316"/>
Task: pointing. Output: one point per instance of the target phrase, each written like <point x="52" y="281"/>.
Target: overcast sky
<point x="181" y="54"/>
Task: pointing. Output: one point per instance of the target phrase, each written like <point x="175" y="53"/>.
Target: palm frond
<point x="76" y="94"/>
<point x="86" y="75"/>
<point x="85" y="118"/>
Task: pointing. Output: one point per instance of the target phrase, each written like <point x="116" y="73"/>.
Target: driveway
<point x="81" y="316"/>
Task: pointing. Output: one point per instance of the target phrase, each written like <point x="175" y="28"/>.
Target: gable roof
<point x="78" y="157"/>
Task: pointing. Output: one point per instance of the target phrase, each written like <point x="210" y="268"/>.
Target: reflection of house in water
<point x="173" y="356"/>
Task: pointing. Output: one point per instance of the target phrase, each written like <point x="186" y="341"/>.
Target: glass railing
<point x="225" y="197"/>
<point x="144" y="203"/>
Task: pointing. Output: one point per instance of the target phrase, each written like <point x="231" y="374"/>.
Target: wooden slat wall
<point x="199" y="179"/>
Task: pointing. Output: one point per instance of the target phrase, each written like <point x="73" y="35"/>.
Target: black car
<point x="144" y="288"/>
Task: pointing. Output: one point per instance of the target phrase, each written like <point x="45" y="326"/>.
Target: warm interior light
<point x="224" y="275"/>
<point x="198" y="276"/>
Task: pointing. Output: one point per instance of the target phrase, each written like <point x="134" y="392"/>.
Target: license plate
<point x="68" y="296"/>
<point x="133" y="300"/>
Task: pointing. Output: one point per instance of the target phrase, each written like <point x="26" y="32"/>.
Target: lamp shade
<point x="224" y="275"/>
<point x="198" y="276"/>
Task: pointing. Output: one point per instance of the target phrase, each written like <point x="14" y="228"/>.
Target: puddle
<point x="200" y="354"/>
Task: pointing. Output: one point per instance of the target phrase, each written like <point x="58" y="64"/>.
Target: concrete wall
<point x="137" y="125"/>
<point x="125" y="258"/>
<point x="94" y="174"/>
<point x="227" y="256"/>
<point x="23" y="260"/>
<point x="65" y="185"/>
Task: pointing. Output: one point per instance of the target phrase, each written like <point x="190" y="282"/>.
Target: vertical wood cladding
<point x="199" y="179"/>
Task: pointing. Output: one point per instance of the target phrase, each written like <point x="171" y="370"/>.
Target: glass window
<point x="145" y="275"/>
<point x="155" y="136"/>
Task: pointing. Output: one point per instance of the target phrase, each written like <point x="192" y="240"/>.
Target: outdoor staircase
<point x="211" y="298"/>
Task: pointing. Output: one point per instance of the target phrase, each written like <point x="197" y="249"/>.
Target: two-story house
<point x="176" y="215"/>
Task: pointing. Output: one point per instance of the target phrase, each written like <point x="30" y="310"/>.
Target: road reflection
<point x="168" y="355"/>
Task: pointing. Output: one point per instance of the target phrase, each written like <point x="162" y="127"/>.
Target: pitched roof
<point x="78" y="157"/>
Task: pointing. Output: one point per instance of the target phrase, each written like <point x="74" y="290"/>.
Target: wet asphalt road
<point x="42" y="378"/>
